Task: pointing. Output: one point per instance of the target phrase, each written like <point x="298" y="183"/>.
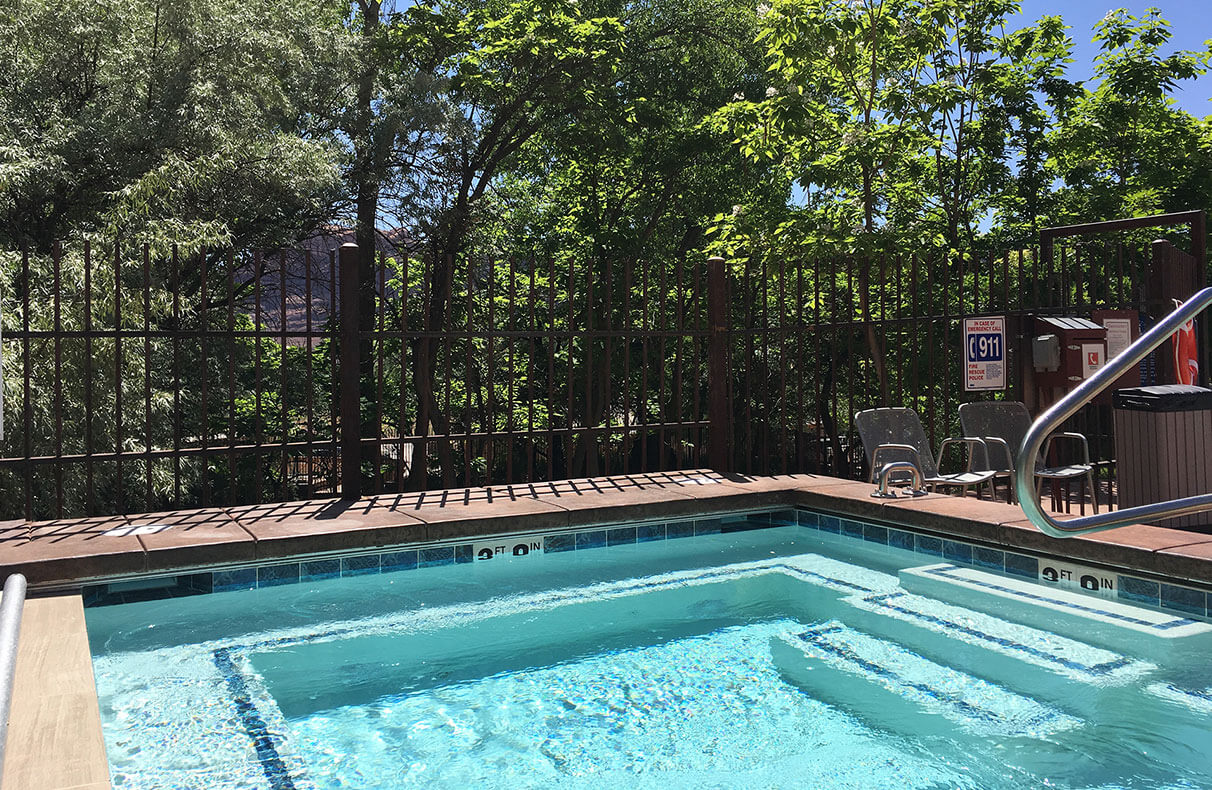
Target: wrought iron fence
<point x="141" y="379"/>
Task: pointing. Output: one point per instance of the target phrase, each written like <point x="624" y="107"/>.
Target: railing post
<point x="719" y="413"/>
<point x="350" y="386"/>
<point x="10" y="632"/>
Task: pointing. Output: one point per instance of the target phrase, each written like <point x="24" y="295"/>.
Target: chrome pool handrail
<point x="915" y="480"/>
<point x="1028" y="495"/>
<point x="10" y="630"/>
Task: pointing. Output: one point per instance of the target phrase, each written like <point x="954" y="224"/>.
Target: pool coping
<point x="65" y="554"/>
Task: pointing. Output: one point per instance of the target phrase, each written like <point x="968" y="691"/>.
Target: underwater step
<point x="1133" y="630"/>
<point x="1080" y="677"/>
<point x="905" y="692"/>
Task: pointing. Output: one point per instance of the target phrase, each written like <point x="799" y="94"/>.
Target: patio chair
<point x="1003" y="425"/>
<point x="895" y="434"/>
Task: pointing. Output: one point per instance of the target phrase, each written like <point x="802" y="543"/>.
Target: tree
<point x="1125" y="148"/>
<point x="182" y="122"/>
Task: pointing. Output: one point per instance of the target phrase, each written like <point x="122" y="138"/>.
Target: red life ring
<point x="1186" y="353"/>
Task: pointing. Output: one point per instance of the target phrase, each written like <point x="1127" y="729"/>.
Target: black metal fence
<point x="140" y="379"/>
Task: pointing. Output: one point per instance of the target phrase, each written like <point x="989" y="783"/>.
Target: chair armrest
<point x="971" y="442"/>
<point x="997" y="440"/>
<point x="901" y="449"/>
<point x="1077" y="437"/>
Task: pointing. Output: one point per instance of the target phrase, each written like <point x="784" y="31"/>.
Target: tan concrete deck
<point x="54" y="729"/>
<point x="68" y="552"/>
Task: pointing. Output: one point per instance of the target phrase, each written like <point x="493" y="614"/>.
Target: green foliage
<point x="1124" y="148"/>
<point x="175" y="122"/>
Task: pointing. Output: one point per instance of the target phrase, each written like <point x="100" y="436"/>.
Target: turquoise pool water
<point x="777" y="657"/>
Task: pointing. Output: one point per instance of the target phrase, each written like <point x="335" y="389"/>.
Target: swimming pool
<point x="779" y="649"/>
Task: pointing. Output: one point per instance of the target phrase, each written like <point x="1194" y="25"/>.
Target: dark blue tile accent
<point x="900" y="539"/>
<point x="618" y="537"/>
<point x="830" y="524"/>
<point x="648" y="532"/>
<point x="554" y="543"/>
<point x="851" y="529"/>
<point x="679" y="529"/>
<point x="264" y="742"/>
<point x="1022" y="565"/>
<point x="946" y="572"/>
<point x="992" y="559"/>
<point x="783" y="518"/>
<point x="398" y="561"/>
<point x="432" y="558"/>
<point x="239" y="579"/>
<point x="875" y="534"/>
<point x="957" y="552"/>
<point x="735" y="524"/>
<point x="809" y="519"/>
<point x="195" y="584"/>
<point x="709" y="526"/>
<point x="464" y="553"/>
<point x="887" y="601"/>
<point x="1183" y="599"/>
<point x="276" y="575"/>
<point x="1138" y="590"/>
<point x="591" y="540"/>
<point x="361" y="566"/>
<point x="929" y="545"/>
<point x="94" y="595"/>
<point x="317" y="570"/>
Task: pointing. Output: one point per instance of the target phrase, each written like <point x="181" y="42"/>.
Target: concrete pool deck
<point x="68" y="552"/>
<point x="55" y="738"/>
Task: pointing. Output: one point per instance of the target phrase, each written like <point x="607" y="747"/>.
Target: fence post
<point x="719" y="413"/>
<point x="350" y="380"/>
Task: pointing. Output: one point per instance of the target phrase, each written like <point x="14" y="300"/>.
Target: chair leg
<point x="1093" y="491"/>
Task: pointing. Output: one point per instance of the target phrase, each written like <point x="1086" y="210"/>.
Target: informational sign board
<point x="1092" y="359"/>
<point x="1119" y="335"/>
<point x="1077" y="577"/>
<point x="519" y="546"/>
<point x="984" y="354"/>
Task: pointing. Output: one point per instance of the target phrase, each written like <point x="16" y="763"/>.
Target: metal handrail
<point x="915" y="479"/>
<point x="10" y="629"/>
<point x="1028" y="495"/>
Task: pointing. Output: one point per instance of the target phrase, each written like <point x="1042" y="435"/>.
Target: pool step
<point x="1019" y="657"/>
<point x="906" y="692"/>
<point x="1108" y="623"/>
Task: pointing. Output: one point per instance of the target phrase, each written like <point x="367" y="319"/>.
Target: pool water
<point x="780" y="657"/>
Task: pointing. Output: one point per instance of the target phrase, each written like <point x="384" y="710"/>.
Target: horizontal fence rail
<point x="140" y="379"/>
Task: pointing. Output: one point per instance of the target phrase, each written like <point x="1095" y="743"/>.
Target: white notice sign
<point x="1092" y="359"/>
<point x="1119" y="335"/>
<point x="1077" y="577"/>
<point x="984" y="354"/>
<point x="516" y="546"/>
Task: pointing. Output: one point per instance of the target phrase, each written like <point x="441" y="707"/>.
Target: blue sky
<point x="1190" y="20"/>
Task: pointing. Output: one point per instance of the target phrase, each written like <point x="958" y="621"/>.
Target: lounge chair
<point x="1003" y="425"/>
<point x="895" y="434"/>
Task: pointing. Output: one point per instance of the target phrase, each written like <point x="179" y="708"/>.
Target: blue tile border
<point x="1161" y="595"/>
<point x="1184" y="599"/>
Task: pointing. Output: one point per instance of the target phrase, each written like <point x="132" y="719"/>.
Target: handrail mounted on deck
<point x="1051" y="419"/>
<point x="10" y="628"/>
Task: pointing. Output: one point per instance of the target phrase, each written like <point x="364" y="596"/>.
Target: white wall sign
<point x="984" y="354"/>
<point x="513" y="546"/>
<point x="1077" y="577"/>
<point x="1092" y="359"/>
<point x="1119" y="335"/>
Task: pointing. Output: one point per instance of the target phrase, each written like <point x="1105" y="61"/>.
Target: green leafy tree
<point x="1125" y="148"/>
